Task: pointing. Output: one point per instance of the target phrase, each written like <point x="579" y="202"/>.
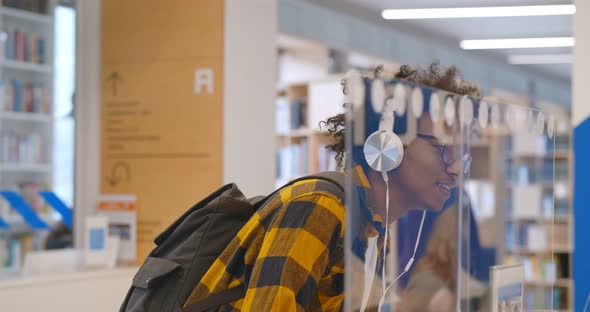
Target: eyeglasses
<point x="450" y="154"/>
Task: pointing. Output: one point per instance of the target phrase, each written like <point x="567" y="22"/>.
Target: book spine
<point x="41" y="50"/>
<point x="26" y="47"/>
<point x="28" y="99"/>
<point x="35" y="48"/>
<point x="20" y="46"/>
<point x="9" y="97"/>
<point x="17" y="96"/>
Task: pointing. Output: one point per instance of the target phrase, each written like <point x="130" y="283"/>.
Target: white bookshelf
<point x="24" y="167"/>
<point x="19" y="222"/>
<point x="32" y="17"/>
<point x="297" y="133"/>
<point x="26" y="118"/>
<point x="27" y="67"/>
<point x="301" y="144"/>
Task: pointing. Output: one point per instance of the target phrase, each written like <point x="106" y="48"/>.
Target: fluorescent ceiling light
<point x="531" y="10"/>
<point x="519" y="43"/>
<point x="540" y="59"/>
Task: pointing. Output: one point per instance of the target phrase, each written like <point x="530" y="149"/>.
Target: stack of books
<point x="25" y="97"/>
<point x="23" y="149"/>
<point x="23" y="46"/>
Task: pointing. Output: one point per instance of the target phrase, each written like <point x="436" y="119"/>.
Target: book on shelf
<point x="533" y="237"/>
<point x="292" y="160"/>
<point x="23" y="97"/>
<point x="28" y="47"/>
<point x="562" y="264"/>
<point x="29" y="191"/>
<point x="10" y="253"/>
<point x="297" y="114"/>
<point x="482" y="194"/>
<point x="23" y="149"/>
<point x="289" y="115"/>
<point x="326" y="159"/>
<point x="543" y="269"/>
<point x="561" y="171"/>
<point x="538" y="269"/>
<point x="526" y="201"/>
<point x="561" y="234"/>
<point x="283" y="113"/>
<point x="542" y="298"/>
<point x="13" y="249"/>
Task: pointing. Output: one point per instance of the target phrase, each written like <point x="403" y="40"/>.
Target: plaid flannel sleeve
<point x="296" y="252"/>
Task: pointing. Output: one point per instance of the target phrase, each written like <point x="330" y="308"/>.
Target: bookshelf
<point x="538" y="205"/>
<point x="301" y="106"/>
<point x="520" y="189"/>
<point x="25" y="66"/>
<point x="27" y="117"/>
<point x="34" y="168"/>
<point x="26" y="123"/>
<point x="26" y="15"/>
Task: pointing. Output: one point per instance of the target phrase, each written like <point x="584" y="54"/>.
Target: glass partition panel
<point x="405" y="166"/>
<point x="508" y="215"/>
<point x="442" y="190"/>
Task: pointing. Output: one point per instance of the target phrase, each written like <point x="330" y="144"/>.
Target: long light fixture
<point x="528" y="59"/>
<point x="500" y="11"/>
<point x="517" y="43"/>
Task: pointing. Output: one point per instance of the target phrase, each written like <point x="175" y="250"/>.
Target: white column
<point x="249" y="95"/>
<point x="87" y="108"/>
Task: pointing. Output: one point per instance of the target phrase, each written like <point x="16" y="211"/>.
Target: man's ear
<point x="374" y="177"/>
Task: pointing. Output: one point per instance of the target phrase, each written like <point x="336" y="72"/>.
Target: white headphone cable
<point x="410" y="262"/>
<point x="386" y="222"/>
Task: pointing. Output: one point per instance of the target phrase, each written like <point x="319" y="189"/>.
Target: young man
<point x="290" y="254"/>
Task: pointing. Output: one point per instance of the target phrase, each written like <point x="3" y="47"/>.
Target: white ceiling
<point x="484" y="28"/>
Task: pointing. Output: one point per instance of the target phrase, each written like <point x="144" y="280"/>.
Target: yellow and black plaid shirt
<point x="289" y="256"/>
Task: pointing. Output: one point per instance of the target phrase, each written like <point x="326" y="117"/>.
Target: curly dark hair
<point x="448" y="79"/>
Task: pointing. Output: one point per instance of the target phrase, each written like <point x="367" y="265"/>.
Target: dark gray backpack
<point x="189" y="246"/>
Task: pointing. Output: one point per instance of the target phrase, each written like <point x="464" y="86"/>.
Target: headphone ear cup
<point x="383" y="151"/>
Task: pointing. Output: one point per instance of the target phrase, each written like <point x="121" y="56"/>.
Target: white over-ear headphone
<point x="384" y="151"/>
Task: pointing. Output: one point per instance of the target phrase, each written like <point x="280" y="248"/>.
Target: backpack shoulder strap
<point x="254" y="200"/>
<point x="335" y="177"/>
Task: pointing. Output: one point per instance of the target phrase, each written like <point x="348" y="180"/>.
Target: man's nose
<point x="455" y="167"/>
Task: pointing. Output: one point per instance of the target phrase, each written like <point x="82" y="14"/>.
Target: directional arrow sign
<point x="119" y="172"/>
<point x="114" y="78"/>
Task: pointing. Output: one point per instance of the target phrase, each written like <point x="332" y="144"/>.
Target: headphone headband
<point x="383" y="149"/>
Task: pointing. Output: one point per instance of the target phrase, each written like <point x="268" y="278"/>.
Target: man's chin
<point x="436" y="206"/>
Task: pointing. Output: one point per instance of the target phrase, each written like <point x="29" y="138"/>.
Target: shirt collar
<point x="366" y="203"/>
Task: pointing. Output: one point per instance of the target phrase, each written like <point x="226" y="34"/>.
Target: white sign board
<point x="507" y="288"/>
